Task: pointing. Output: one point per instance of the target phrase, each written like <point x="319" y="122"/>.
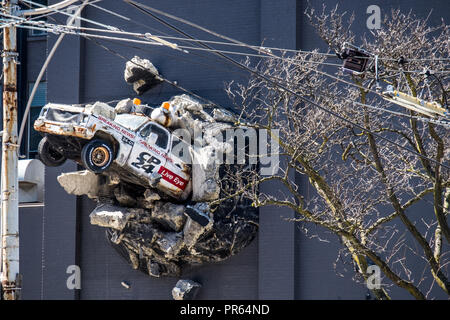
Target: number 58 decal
<point x="146" y="162"/>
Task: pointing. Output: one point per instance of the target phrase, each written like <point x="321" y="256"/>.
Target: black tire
<point x="97" y="155"/>
<point x="49" y="155"/>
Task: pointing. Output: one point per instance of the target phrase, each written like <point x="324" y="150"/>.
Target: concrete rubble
<point x="154" y="233"/>
<point x="142" y="74"/>
<point x="80" y="183"/>
<point x="185" y="290"/>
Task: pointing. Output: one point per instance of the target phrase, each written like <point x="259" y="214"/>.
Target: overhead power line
<point x="172" y="83"/>
<point x="71" y="30"/>
<point x="149" y="36"/>
<point x="147" y="9"/>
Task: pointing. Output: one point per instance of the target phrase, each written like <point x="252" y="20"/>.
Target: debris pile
<point x="155" y="233"/>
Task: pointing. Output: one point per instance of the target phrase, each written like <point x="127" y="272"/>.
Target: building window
<point x="33" y="32"/>
<point x="37" y="33"/>
<point x="40" y="100"/>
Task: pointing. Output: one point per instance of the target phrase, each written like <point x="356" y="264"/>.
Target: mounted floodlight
<point x="355" y="59"/>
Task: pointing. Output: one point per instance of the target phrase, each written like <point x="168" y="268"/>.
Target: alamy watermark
<point x="374" y="20"/>
<point x="374" y="279"/>
<point x="74" y="280"/>
<point x="230" y="146"/>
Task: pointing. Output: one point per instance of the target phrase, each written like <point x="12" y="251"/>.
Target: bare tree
<point x="365" y="188"/>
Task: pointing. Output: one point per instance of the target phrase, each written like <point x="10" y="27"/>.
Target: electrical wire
<point x="307" y="100"/>
<point x="256" y="73"/>
<point x="438" y="122"/>
<point x="71" y="15"/>
<point x="233" y="43"/>
<point x="165" y="80"/>
<point x="59" y="28"/>
<point x="151" y="9"/>
<point x="222" y="51"/>
<point x="154" y="38"/>
<point x="42" y="71"/>
<point x="275" y="57"/>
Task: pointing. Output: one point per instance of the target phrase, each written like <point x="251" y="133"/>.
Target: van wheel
<point x="97" y="155"/>
<point x="49" y="155"/>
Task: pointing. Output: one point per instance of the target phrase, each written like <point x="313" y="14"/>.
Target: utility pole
<point x="10" y="278"/>
<point x="9" y="179"/>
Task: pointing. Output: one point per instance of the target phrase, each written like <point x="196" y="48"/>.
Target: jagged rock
<point x="124" y="106"/>
<point x="111" y="179"/>
<point x="80" y="183"/>
<point x="109" y="216"/>
<point x="193" y="230"/>
<point x="124" y="197"/>
<point x="142" y="74"/>
<point x="230" y="233"/>
<point x="159" y="269"/>
<point x="103" y="109"/>
<point x="223" y="116"/>
<point x="170" y="243"/>
<point x="134" y="260"/>
<point x="199" y="213"/>
<point x="205" y="175"/>
<point x="154" y="269"/>
<point x="169" y="214"/>
<point x="185" y="290"/>
<point x="150" y="197"/>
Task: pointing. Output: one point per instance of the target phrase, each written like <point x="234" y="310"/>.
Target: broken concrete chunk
<point x="109" y="216"/>
<point x="137" y="67"/>
<point x="124" y="106"/>
<point x="124" y="197"/>
<point x="223" y="115"/>
<point x="199" y="216"/>
<point x="170" y="243"/>
<point x="205" y="175"/>
<point x="169" y="214"/>
<point x="185" y="290"/>
<point x="154" y="269"/>
<point x="142" y="74"/>
<point x="113" y="178"/>
<point x="148" y="201"/>
<point x="185" y="103"/>
<point x="150" y="195"/>
<point x="103" y="109"/>
<point x="193" y="230"/>
<point x="134" y="259"/>
<point x="80" y="183"/>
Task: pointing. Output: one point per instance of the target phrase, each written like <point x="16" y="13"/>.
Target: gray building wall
<point x="281" y="263"/>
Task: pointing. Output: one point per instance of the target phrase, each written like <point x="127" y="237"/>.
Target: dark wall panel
<point x="276" y="233"/>
<point x="198" y="71"/>
<point x="30" y="232"/>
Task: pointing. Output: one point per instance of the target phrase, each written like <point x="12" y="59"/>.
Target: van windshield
<point x="130" y="121"/>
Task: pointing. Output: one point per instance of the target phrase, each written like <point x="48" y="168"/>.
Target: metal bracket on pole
<point x="10" y="56"/>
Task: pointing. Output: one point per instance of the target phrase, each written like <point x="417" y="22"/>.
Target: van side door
<point x="149" y="151"/>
